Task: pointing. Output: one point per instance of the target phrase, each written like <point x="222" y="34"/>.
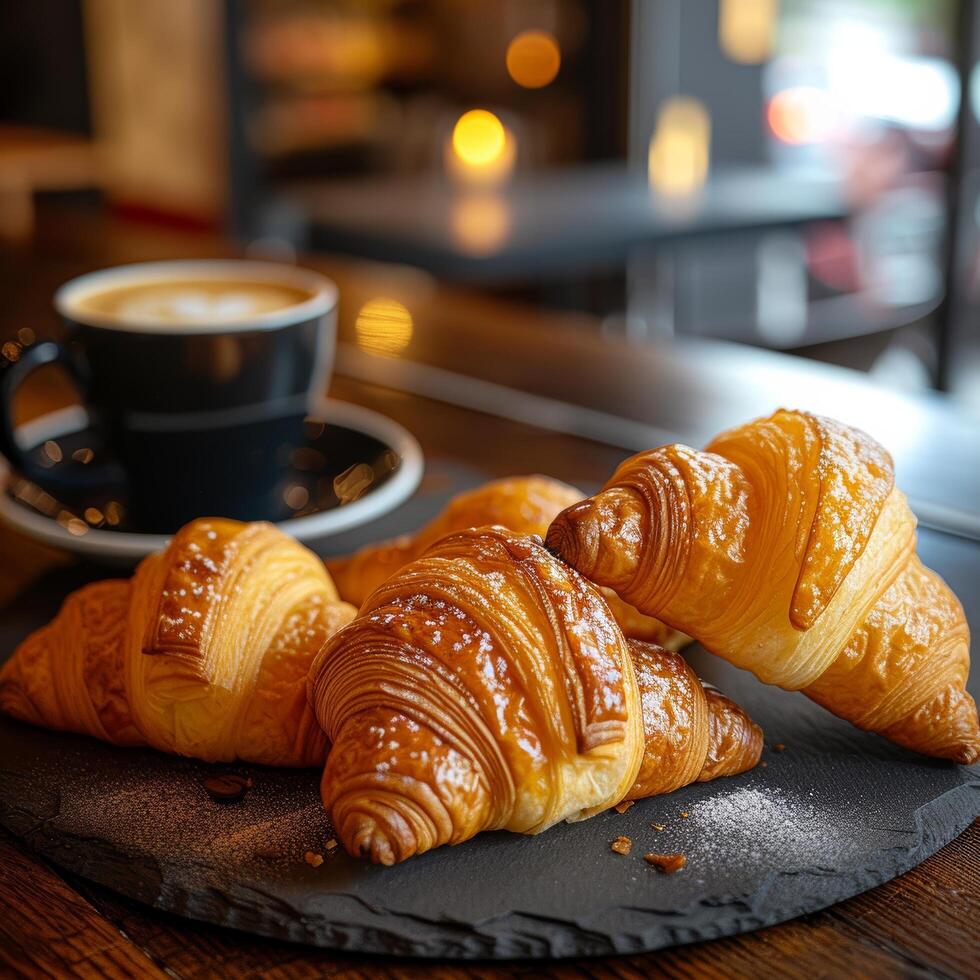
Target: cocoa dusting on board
<point x="171" y="815"/>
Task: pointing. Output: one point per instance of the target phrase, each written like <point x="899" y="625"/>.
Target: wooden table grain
<point x="53" y="924"/>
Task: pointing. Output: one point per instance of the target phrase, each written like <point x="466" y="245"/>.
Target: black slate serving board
<point x="835" y="812"/>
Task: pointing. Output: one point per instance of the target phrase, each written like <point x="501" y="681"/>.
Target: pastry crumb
<point x="685" y="814"/>
<point x="763" y="763"/>
<point x="331" y="844"/>
<point x="313" y="860"/>
<point x="666" y="863"/>
<point x="621" y="845"/>
<point x="624" y="806"/>
<point x="779" y="747"/>
<point x="658" y="827"/>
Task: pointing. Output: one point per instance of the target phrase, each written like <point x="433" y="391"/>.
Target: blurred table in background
<point x="506" y="389"/>
<point x="599" y="238"/>
<point x="562" y="221"/>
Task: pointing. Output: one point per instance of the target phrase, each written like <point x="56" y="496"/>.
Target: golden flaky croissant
<point x="786" y="548"/>
<point x="487" y="686"/>
<point x="523" y="504"/>
<point x="204" y="652"/>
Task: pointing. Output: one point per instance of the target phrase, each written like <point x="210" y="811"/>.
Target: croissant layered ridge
<point x="522" y="504"/>
<point x="463" y="699"/>
<point x="71" y="673"/>
<point x="691" y="731"/>
<point x="204" y="653"/>
<point x="487" y="686"/>
<point x="786" y="548"/>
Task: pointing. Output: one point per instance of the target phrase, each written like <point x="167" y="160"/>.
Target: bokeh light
<point x="481" y="150"/>
<point x="384" y="327"/>
<point x="353" y="483"/>
<point x="801" y="114"/>
<point x="677" y="163"/>
<point x="296" y="496"/>
<point x="533" y="59"/>
<point x="478" y="138"/>
<point x="747" y="29"/>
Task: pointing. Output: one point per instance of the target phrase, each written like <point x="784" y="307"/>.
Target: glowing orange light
<point x="481" y="150"/>
<point x="533" y="59"/>
<point x="478" y="138"/>
<point x="677" y="161"/>
<point x="800" y="115"/>
<point x="747" y="29"/>
<point x="384" y="327"/>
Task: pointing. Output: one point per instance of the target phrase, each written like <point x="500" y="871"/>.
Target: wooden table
<point x="922" y="924"/>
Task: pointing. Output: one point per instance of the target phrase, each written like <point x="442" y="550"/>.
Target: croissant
<point x="487" y="686"/>
<point x="524" y="504"/>
<point x="786" y="548"/>
<point x="204" y="653"/>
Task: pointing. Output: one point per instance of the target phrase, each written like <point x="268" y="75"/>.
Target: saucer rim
<point x="135" y="545"/>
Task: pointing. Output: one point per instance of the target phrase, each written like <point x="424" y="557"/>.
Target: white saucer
<point x="128" y="546"/>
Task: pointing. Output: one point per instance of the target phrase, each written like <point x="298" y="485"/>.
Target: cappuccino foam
<point x="188" y="302"/>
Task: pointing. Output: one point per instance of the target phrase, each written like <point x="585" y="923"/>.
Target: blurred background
<point x="799" y="175"/>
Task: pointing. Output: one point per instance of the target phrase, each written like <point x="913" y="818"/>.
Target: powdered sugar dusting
<point x="770" y="827"/>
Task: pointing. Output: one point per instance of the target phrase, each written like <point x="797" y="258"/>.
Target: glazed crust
<point x="203" y="653"/>
<point x="786" y="548"/>
<point x="487" y="686"/>
<point x="691" y="731"/>
<point x="523" y="504"/>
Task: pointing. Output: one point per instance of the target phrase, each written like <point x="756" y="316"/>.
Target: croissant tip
<point x="966" y="753"/>
<point x="369" y="841"/>
<point x="564" y="538"/>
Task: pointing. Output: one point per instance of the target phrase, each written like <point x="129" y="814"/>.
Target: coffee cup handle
<point x="16" y="373"/>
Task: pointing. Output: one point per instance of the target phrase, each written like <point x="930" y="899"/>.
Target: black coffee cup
<point x="198" y="396"/>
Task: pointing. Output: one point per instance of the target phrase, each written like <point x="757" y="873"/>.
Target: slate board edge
<point x="354" y="927"/>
